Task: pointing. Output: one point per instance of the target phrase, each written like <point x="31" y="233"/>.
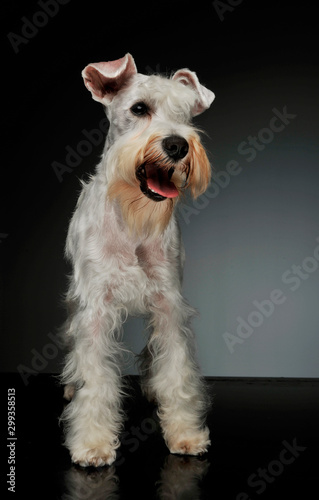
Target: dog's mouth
<point x="155" y="181"/>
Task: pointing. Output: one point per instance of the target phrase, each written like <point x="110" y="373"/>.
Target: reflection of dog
<point x="127" y="257"/>
<point x="180" y="478"/>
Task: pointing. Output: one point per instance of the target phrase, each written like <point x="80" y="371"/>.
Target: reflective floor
<point x="265" y="444"/>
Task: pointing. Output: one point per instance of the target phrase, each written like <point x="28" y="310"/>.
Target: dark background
<point x="260" y="56"/>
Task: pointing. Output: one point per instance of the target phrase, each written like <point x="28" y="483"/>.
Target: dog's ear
<point x="205" y="96"/>
<point x="104" y="79"/>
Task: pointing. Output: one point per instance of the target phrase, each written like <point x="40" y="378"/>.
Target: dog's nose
<point x="175" y="146"/>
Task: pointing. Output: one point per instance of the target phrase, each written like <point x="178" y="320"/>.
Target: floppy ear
<point x="204" y="96"/>
<point x="104" y="79"/>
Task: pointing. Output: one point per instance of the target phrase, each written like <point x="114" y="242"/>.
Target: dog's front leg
<point x="173" y="378"/>
<point x="93" y="417"/>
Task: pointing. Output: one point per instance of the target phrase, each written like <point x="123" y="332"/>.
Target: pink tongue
<point x="158" y="181"/>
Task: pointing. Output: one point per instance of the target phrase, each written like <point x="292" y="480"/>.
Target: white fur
<point x="119" y="271"/>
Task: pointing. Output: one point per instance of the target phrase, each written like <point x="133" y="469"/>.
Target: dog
<point x="127" y="257"/>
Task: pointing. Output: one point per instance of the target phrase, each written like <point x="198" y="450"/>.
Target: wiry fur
<point x="127" y="258"/>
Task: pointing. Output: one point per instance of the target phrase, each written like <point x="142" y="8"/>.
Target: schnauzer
<point x="127" y="257"/>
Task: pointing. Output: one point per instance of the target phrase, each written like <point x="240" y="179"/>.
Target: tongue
<point x="158" y="181"/>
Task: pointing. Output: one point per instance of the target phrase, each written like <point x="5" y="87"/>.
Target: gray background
<point x="242" y="242"/>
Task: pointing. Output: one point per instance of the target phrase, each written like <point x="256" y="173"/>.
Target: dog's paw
<point x="94" y="457"/>
<point x="148" y="393"/>
<point x="195" y="443"/>
<point x="69" y="391"/>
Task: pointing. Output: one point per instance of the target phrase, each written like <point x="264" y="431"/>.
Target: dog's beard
<point x="147" y="185"/>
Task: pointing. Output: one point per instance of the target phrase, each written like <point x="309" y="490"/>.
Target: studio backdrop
<point x="251" y="241"/>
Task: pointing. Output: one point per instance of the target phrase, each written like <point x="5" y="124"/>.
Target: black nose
<point x="175" y="146"/>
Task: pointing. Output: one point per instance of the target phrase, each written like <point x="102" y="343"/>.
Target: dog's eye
<point x="139" y="108"/>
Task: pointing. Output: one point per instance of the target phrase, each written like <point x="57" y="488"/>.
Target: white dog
<point x="125" y="248"/>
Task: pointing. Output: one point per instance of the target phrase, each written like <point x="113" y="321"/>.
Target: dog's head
<point x="153" y="151"/>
